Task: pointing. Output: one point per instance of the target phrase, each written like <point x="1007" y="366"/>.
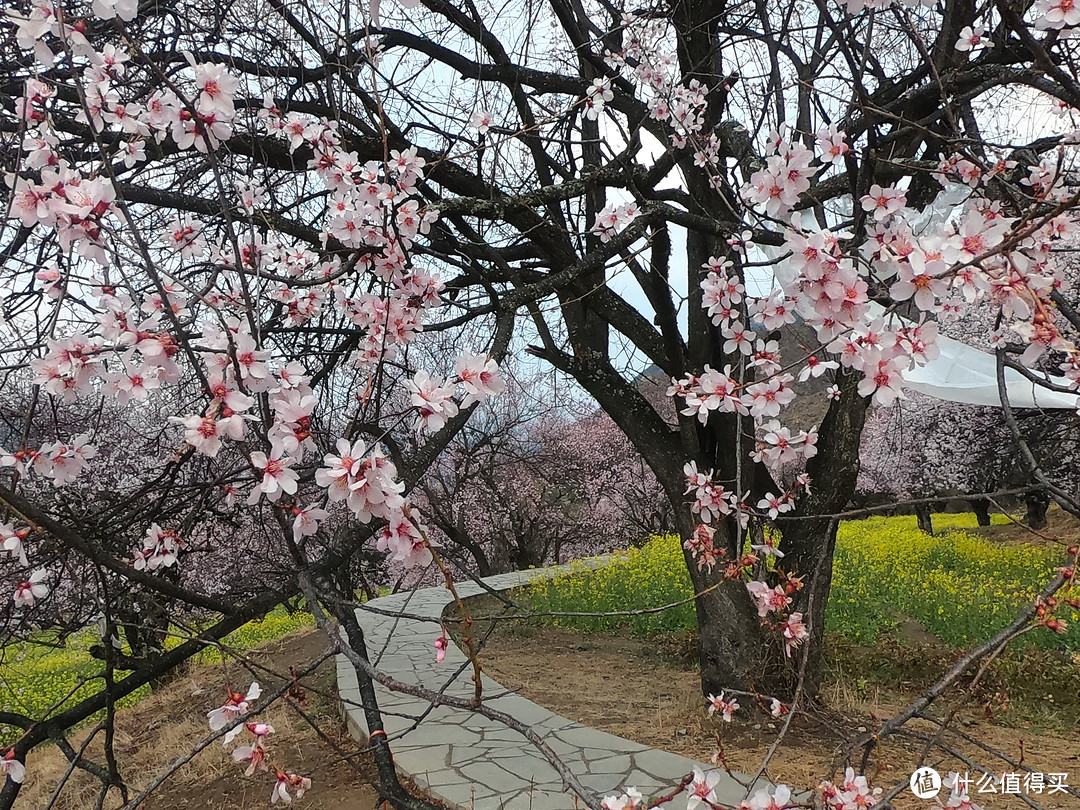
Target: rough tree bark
<point x="981" y="508"/>
<point x="923" y="518"/>
<point x="1037" y="503"/>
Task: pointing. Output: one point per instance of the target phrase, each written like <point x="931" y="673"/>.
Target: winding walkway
<point x="474" y="763"/>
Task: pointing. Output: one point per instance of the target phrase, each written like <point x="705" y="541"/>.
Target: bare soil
<point x="171" y="721"/>
<point x="1062" y="530"/>
<point x="619" y="684"/>
<point x="631" y="688"/>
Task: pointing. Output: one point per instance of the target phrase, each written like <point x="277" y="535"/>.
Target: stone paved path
<point x="472" y="762"/>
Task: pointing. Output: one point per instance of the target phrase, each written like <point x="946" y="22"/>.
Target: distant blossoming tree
<point x="923" y="448"/>
<point x="521" y="489"/>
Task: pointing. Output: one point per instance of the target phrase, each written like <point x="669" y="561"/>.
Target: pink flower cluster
<point x="365" y="480"/>
<point x="853" y="792"/>
<point x="764" y="799"/>
<point x="160" y="548"/>
<point x="719" y="704"/>
<point x="776" y="188"/>
<point x="631" y="799"/>
<point x="711" y="500"/>
<point x="433" y="397"/>
<point x="255" y="752"/>
<point x="613" y="219"/>
<point x="597" y="95"/>
<point x="60" y="462"/>
<point x="32" y="589"/>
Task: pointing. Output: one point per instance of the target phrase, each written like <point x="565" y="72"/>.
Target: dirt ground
<point x="1062" y="530"/>
<point x="168" y="723"/>
<point x="628" y="688"/>
<point x="617" y="684"/>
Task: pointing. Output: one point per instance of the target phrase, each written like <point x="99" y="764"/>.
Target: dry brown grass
<point x="623" y="686"/>
<point x="169" y="723"/>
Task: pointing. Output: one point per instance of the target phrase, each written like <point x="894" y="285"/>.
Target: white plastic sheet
<point x="962" y="373"/>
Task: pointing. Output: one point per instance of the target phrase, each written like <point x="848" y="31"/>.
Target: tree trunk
<point x="734" y="650"/>
<point x="814" y="541"/>
<point x="145" y="624"/>
<point x="809" y="538"/>
<point x="923" y="518"/>
<point x="1037" y="503"/>
<point x="981" y="508"/>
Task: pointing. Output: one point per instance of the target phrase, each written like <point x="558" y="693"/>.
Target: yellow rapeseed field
<point x="961" y="587"/>
<point x="36" y="679"/>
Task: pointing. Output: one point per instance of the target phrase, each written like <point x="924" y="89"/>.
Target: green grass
<point x="961" y="587"/>
<point x="40" y="678"/>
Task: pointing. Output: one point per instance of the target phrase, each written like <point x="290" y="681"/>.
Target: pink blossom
<point x="433" y="399"/>
<point x="768" y="549"/>
<point x="767" y="398"/>
<point x="12" y="541"/>
<point x="613" y="218"/>
<point x="726" y="708"/>
<point x="277" y="477"/>
<point x="738" y="339"/>
<point x="237" y="704"/>
<point x="700" y="545"/>
<point x="763" y="799"/>
<point x="160" y="548"/>
<point x="596" y="96"/>
<point x="710" y="499"/>
<point x="630" y="800"/>
<point x="10" y="766"/>
<point x="184" y="234"/>
<point x="216" y="89"/>
<point x="480" y="378"/>
<point x="306" y="521"/>
<point x="440" y="647"/>
<point x="285" y="781"/>
<point x="201" y="432"/>
<point x="854" y="791"/>
<point x="481" y="121"/>
<point x="1056" y="14"/>
<point x="701" y="790"/>
<point x="338" y="472"/>
<point x="767" y="599"/>
<point x="405" y="541"/>
<point x="971" y="38"/>
<point x="27" y="593"/>
<point x="124" y="9"/>
<point x="132" y="382"/>
<point x="803" y="482"/>
<point x="63" y="463"/>
<point x="883" y="202"/>
<point x="773" y="312"/>
<point x="815" y="367"/>
<point x="254" y="754"/>
<point x="713" y="391"/>
<point x="883" y="381"/>
<point x="832" y="144"/>
<point x="794" y="632"/>
<point x="786" y="175"/>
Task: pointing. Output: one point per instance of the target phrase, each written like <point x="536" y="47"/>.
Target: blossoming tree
<point x="531" y="484"/>
<point x="229" y="224"/>
<point x="924" y="448"/>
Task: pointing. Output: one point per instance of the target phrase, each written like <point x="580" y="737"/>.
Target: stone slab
<point x="469" y="761"/>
